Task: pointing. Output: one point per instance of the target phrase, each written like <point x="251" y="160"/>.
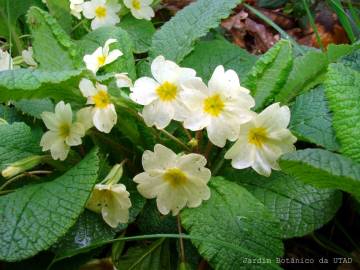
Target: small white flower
<point x="263" y="140"/>
<point x="62" y="133"/>
<point x="6" y="61"/>
<point x="102" y="56"/>
<point x="220" y="108"/>
<point x="174" y="180"/>
<point x="140" y="9"/>
<point x="161" y="96"/>
<point x="123" y="80"/>
<point x="76" y="7"/>
<point x="112" y="201"/>
<point x="104" y="113"/>
<point x="103" y="12"/>
<point x="27" y="56"/>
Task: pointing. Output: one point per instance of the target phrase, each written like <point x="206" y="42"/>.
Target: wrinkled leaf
<point x="225" y="53"/>
<point x="311" y="120"/>
<point x="342" y="91"/>
<point x="301" y="208"/>
<point x="323" y="169"/>
<point x="175" y="39"/>
<point x="234" y="216"/>
<point x="36" y="216"/>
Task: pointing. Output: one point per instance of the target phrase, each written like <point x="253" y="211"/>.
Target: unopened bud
<point x="21" y="166"/>
<point x="193" y="143"/>
<point x="114" y="175"/>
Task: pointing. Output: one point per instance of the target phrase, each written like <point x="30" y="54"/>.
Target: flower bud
<point x="21" y="166"/>
<point x="114" y="175"/>
<point x="193" y="143"/>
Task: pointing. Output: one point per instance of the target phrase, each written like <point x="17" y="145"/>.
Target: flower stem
<point x="32" y="173"/>
<point x="181" y="242"/>
<point x="208" y="150"/>
<point x="188" y="134"/>
<point x="172" y="137"/>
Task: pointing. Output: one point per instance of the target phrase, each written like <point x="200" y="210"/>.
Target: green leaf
<point x="17" y="142"/>
<point x="27" y="84"/>
<point x="10" y="114"/>
<point x="323" y="169"/>
<point x="151" y="221"/>
<point x="10" y="20"/>
<point x="175" y="39"/>
<point x="352" y="60"/>
<point x="234" y="216"/>
<point x="311" y="120"/>
<point x="225" y="53"/>
<point x="300" y="208"/>
<point x="60" y="9"/>
<point x="34" y="107"/>
<point x="97" y="38"/>
<point x="270" y="73"/>
<point x="53" y="48"/>
<point x="34" y="217"/>
<point x="155" y="256"/>
<point x="140" y="31"/>
<point x="342" y="91"/>
<point x="308" y="71"/>
<point x="90" y="229"/>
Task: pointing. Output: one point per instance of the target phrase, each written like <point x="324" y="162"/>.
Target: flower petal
<point x="143" y="91"/>
<point x="105" y="119"/>
<point x="158" y="113"/>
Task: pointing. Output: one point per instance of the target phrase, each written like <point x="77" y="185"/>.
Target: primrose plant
<point x="113" y="130"/>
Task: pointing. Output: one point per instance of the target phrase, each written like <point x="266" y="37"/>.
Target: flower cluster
<point x="221" y="106"/>
<point x="63" y="133"/>
<point x="106" y="12"/>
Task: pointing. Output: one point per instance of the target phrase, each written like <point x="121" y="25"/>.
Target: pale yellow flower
<point x="174" y="180"/>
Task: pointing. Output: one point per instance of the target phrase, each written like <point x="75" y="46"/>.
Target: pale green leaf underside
<point x="17" y="142"/>
<point x="225" y="53"/>
<point x="307" y="71"/>
<point x="311" y="120"/>
<point x="301" y="208"/>
<point x="323" y="169"/>
<point x="233" y="215"/>
<point x="35" y="84"/>
<point x="175" y="39"/>
<point x="34" y="217"/>
<point x="34" y="107"/>
<point x="270" y="73"/>
<point x="342" y="90"/>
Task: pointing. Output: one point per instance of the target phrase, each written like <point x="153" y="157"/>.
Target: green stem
<point x="172" y="137"/>
<point x="181" y="242"/>
<point x="313" y="25"/>
<point x="12" y="180"/>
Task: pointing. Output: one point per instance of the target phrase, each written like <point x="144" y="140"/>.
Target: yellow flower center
<point x="175" y="177"/>
<point x="257" y="136"/>
<point x="214" y="105"/>
<point x="101" y="99"/>
<point x="101" y="60"/>
<point x="100" y="12"/>
<point x="167" y="91"/>
<point x="64" y="130"/>
<point x="136" y="4"/>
